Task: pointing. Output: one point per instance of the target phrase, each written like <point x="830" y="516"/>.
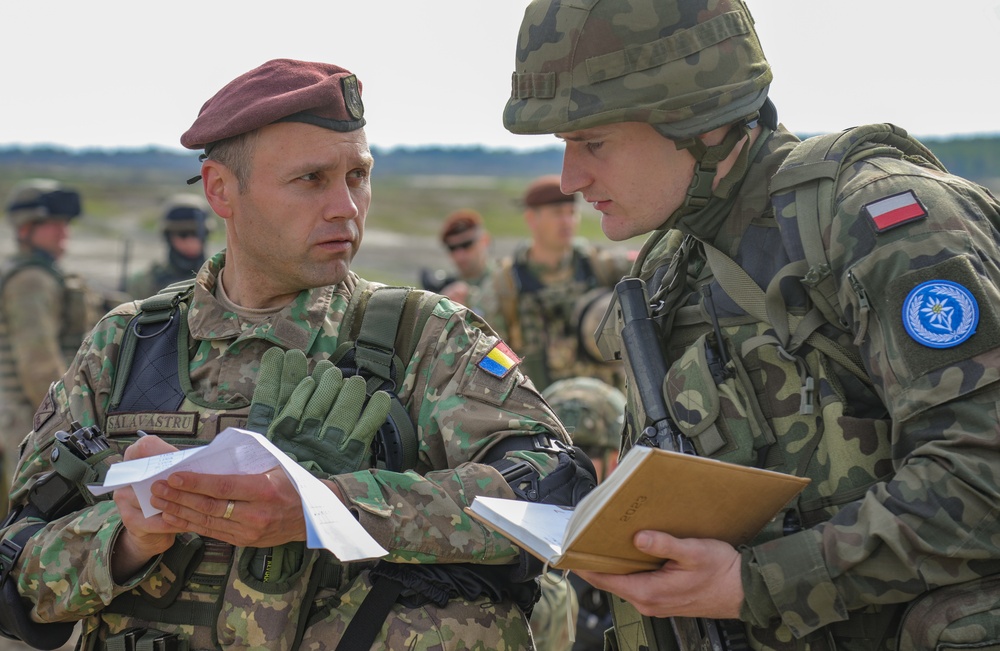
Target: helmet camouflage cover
<point x="37" y="200"/>
<point x="685" y="66"/>
<point x="592" y="410"/>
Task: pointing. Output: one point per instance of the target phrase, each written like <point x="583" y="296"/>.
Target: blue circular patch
<point x="940" y="314"/>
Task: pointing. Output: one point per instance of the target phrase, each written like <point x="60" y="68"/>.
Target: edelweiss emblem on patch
<point x="940" y="314"/>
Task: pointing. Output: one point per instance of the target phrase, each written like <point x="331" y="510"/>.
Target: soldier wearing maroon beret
<point x="394" y="398"/>
<point x="544" y="296"/>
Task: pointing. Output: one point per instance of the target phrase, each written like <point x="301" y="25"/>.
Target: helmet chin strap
<point x="707" y="159"/>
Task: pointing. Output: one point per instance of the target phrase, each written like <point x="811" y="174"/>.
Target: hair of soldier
<point x="236" y="154"/>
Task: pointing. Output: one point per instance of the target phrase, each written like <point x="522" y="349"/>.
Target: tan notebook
<point x="684" y="495"/>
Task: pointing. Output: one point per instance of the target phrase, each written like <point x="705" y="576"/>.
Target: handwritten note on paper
<point x="234" y="451"/>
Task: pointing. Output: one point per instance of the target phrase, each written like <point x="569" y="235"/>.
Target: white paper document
<point x="234" y="451"/>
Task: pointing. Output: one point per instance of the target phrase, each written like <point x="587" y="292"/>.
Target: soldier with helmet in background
<point x="828" y="308"/>
<point x="185" y="225"/>
<point x="44" y="311"/>
<point x="593" y="412"/>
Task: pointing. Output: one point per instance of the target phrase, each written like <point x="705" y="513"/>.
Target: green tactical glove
<point x="337" y="424"/>
<point x="281" y="374"/>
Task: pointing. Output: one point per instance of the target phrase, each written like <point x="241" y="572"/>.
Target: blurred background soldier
<point x="465" y="237"/>
<point x="44" y="312"/>
<point x="543" y="294"/>
<point x="185" y="228"/>
<point x="594" y="414"/>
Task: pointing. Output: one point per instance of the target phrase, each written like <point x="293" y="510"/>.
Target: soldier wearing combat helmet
<point x="185" y="225"/>
<point x="826" y="308"/>
<point x="44" y="311"/>
<point x="279" y="336"/>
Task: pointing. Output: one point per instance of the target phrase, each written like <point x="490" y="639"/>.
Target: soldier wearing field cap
<point x="826" y="308"/>
<point x="44" y="311"/>
<point x="278" y="335"/>
<point x="540" y="295"/>
<point x="185" y="224"/>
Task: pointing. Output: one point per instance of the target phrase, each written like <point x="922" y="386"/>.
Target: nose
<point x="340" y="202"/>
<point x="573" y="177"/>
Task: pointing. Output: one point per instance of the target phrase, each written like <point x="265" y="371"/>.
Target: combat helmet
<point x="684" y="66"/>
<point x="36" y="200"/>
<point x="592" y="410"/>
<point x="186" y="213"/>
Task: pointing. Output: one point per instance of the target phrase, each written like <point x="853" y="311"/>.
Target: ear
<point x="221" y="187"/>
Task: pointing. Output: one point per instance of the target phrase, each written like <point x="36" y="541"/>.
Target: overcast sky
<point x="116" y="73"/>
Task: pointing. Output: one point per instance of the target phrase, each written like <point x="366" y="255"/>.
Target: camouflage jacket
<point x="902" y="450"/>
<point x="459" y="411"/>
<point x="156" y="277"/>
<point x="537" y="310"/>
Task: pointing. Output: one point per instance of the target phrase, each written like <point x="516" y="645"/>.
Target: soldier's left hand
<point x="262" y="510"/>
<point x="701" y="578"/>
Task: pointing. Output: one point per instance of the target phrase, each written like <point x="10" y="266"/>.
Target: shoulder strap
<point x="383" y="325"/>
<point x="508" y="291"/>
<point x="812" y="172"/>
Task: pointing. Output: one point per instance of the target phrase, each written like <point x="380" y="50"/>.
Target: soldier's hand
<point x="700" y="578"/>
<point x="143" y="537"/>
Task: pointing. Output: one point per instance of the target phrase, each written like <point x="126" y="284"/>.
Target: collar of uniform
<point x="296" y="326"/>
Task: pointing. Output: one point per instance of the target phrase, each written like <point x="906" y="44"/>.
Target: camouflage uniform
<point x="459" y="411"/>
<point x="44" y="315"/>
<point x="593" y="413"/>
<point x="538" y="311"/>
<point x="884" y="392"/>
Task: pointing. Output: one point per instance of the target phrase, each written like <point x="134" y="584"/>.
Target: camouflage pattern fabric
<point x="459" y="411"/>
<point x="44" y="315"/>
<point x="554" y="616"/>
<point x="904" y="492"/>
<point x="539" y="323"/>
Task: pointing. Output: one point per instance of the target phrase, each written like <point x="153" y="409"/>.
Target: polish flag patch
<point x="895" y="210"/>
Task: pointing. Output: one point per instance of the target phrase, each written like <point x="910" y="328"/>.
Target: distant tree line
<point x="977" y="158"/>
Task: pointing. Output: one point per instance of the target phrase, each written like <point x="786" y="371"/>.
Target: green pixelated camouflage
<point x="903" y="461"/>
<point x="592" y="411"/>
<point x="459" y="411"/>
<point x="687" y="66"/>
<point x="543" y="326"/>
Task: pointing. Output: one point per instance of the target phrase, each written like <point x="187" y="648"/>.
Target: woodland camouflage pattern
<point x="584" y="63"/>
<point x="459" y="412"/>
<point x="542" y="324"/>
<point x="904" y="491"/>
<point x="592" y="411"/>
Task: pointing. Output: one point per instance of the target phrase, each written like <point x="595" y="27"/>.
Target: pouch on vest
<point x="721" y="416"/>
<point x="963" y="616"/>
<point x="271" y="588"/>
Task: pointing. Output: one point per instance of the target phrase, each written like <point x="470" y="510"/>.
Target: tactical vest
<point x="76" y="317"/>
<point x="209" y="583"/>
<point x="773" y="377"/>
<point x="542" y="319"/>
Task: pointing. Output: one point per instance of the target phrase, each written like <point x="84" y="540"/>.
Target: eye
<point x="311" y="176"/>
<point x="593" y="145"/>
<point x="359" y="174"/>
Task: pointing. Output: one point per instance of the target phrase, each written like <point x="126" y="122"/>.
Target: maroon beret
<point x="460" y="222"/>
<point x="281" y="90"/>
<point x="545" y="190"/>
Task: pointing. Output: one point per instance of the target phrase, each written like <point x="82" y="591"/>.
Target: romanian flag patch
<point x="499" y="360"/>
<point x="895" y="210"/>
